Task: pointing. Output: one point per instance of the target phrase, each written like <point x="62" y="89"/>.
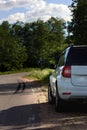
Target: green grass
<point x="40" y="75"/>
<point x="35" y="73"/>
<point x="17" y="71"/>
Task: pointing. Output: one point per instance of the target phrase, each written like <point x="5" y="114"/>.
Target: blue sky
<point x="31" y="10"/>
<point x="67" y="2"/>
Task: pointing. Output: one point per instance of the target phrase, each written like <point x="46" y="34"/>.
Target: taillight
<point x="66" y="71"/>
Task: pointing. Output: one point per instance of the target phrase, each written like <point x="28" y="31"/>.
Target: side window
<point x="61" y="60"/>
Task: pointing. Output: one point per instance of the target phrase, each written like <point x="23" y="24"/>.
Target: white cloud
<point x="9" y="4"/>
<point x="35" y="9"/>
<point x="16" y="17"/>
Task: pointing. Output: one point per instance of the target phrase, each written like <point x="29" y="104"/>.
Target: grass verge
<point x="40" y="75"/>
<point x="35" y="73"/>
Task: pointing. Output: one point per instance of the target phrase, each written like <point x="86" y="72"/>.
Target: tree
<point x="56" y="38"/>
<point x="43" y="39"/>
<point x="78" y="26"/>
<point x="12" y="53"/>
<point x="25" y="44"/>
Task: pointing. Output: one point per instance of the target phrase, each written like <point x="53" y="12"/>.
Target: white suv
<point x="69" y="80"/>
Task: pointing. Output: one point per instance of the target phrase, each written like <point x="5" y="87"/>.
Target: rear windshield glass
<point x="77" y="56"/>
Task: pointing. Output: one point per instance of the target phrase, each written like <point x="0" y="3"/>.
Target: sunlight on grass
<point x="18" y="71"/>
<point x="34" y="73"/>
<point x="41" y="75"/>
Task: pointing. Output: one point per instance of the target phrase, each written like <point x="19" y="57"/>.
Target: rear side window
<point x="61" y="61"/>
<point x="77" y="56"/>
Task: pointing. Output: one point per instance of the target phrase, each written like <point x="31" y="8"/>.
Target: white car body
<point x="71" y="88"/>
<point x="68" y="82"/>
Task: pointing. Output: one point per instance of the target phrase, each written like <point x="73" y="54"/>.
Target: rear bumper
<point x="73" y="95"/>
<point x="69" y="92"/>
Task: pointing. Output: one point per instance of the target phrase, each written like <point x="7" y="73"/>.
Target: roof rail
<point x="71" y="45"/>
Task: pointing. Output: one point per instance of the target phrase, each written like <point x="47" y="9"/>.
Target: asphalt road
<point x="18" y="107"/>
<point x="24" y="106"/>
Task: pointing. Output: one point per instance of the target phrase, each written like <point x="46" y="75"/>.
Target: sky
<point x="32" y="10"/>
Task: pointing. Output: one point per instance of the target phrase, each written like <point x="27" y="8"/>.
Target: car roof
<point x="78" y="46"/>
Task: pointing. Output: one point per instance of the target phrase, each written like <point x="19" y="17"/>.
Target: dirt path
<point x="74" y="117"/>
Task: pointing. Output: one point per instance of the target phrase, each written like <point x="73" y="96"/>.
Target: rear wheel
<point x="50" y="96"/>
<point x="59" y="103"/>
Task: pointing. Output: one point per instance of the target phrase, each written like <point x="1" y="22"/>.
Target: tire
<point x="58" y="102"/>
<point x="50" y="96"/>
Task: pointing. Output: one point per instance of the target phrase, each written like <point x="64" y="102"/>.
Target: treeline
<point x="40" y="43"/>
<point x="78" y="26"/>
<point x="29" y="44"/>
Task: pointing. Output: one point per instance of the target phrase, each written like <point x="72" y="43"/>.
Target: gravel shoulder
<point x="73" y="118"/>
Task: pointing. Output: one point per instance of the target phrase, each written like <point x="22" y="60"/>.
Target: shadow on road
<point x="20" y="115"/>
<point x="7" y="89"/>
<point x="42" y="116"/>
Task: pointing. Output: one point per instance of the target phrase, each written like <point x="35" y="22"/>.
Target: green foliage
<point x="78" y="26"/>
<point x="25" y="44"/>
<point x="18" y="71"/>
<point x="12" y="53"/>
<point x="40" y="75"/>
<point x="34" y="74"/>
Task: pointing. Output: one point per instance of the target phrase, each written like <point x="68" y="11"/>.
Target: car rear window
<point x="77" y="56"/>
